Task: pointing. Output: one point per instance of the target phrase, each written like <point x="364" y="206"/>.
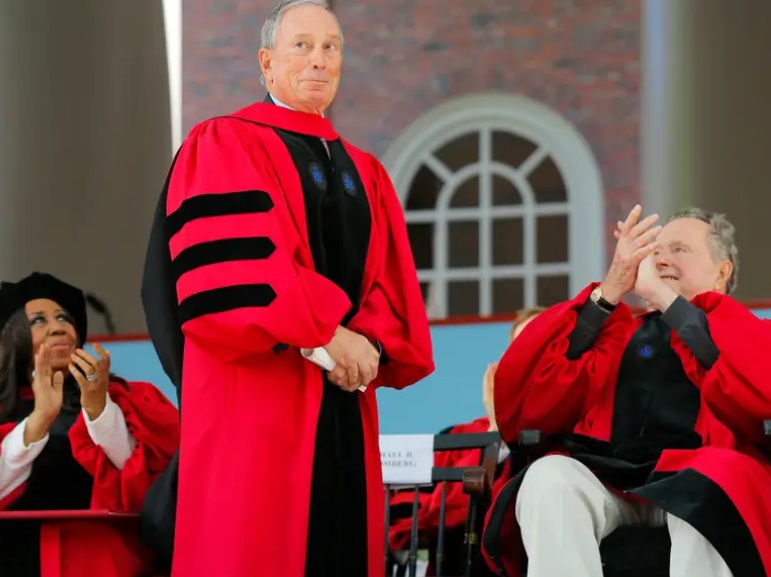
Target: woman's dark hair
<point x="16" y="365"/>
<point x="15" y="362"/>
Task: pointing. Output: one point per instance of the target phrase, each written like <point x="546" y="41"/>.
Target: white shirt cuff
<point x="16" y="459"/>
<point x="109" y="431"/>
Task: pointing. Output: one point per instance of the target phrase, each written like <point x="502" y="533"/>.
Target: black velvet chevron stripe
<point x="223" y="250"/>
<point x="225" y="299"/>
<point x="221" y="204"/>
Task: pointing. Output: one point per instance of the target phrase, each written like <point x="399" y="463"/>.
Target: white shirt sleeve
<point x="109" y="431"/>
<point x="16" y="459"/>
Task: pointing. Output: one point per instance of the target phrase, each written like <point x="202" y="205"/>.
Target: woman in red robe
<point x="74" y="436"/>
<point x="662" y="414"/>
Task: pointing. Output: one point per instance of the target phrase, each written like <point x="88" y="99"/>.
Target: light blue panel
<point x="136" y="361"/>
<point x="453" y="394"/>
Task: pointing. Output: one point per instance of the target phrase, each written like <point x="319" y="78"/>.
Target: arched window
<point x="503" y="202"/>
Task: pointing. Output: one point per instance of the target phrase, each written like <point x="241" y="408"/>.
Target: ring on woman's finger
<point x="92" y="377"/>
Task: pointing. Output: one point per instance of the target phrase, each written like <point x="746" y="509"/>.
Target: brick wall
<point x="220" y="70"/>
<point x="581" y="57"/>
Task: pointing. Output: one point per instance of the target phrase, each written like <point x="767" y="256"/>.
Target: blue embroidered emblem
<point x="317" y="174"/>
<point x="646" y="352"/>
<point x="348" y="184"/>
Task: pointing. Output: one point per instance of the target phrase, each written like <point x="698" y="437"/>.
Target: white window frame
<point x="555" y="137"/>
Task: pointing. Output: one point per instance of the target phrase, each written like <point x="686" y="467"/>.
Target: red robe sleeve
<point x="738" y="386"/>
<point x="8" y="500"/>
<point x="538" y="387"/>
<point x="392" y="312"/>
<point x="232" y="244"/>
<point x="154" y="423"/>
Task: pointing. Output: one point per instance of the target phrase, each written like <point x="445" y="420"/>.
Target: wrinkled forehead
<point x="689" y="231"/>
<point x="308" y="20"/>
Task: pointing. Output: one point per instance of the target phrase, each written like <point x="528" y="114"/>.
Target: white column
<point x="665" y="123"/>
<point x="172" y="16"/>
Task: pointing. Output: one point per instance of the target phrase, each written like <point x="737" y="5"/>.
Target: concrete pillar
<point x="86" y="141"/>
<point x="707" y="119"/>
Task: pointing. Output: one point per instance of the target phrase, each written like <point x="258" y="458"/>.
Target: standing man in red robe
<point x="295" y="298"/>
<point x="662" y="414"/>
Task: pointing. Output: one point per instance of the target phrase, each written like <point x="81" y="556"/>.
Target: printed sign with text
<point x="407" y="459"/>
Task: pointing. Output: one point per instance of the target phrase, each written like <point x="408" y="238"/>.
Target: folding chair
<point x="477" y="483"/>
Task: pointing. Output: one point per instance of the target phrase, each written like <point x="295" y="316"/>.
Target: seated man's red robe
<point x="74" y="473"/>
<point x="719" y="485"/>
<point x="279" y="231"/>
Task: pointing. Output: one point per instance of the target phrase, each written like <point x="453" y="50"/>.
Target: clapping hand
<point x="636" y="240"/>
<point x="93" y="376"/>
<point x="48" y="390"/>
<point x="649" y="286"/>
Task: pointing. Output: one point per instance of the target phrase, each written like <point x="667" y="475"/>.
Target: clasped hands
<point x="633" y="268"/>
<point x="357" y="360"/>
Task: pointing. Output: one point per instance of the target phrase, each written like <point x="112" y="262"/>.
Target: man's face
<point x="302" y="69"/>
<point x="686" y="261"/>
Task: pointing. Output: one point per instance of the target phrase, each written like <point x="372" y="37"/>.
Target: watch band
<point x="605" y="305"/>
<point x="597" y="298"/>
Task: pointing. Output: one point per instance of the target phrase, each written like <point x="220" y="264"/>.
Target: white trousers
<point x="564" y="512"/>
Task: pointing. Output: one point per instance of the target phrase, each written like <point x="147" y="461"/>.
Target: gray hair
<point x="721" y="235"/>
<point x="272" y="23"/>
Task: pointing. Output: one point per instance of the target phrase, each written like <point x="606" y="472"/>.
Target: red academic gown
<point x="721" y="488"/>
<point x="97" y="547"/>
<point x="248" y="231"/>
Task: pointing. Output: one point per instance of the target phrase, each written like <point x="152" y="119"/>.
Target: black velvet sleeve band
<point x="690" y="324"/>
<point x="591" y="317"/>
